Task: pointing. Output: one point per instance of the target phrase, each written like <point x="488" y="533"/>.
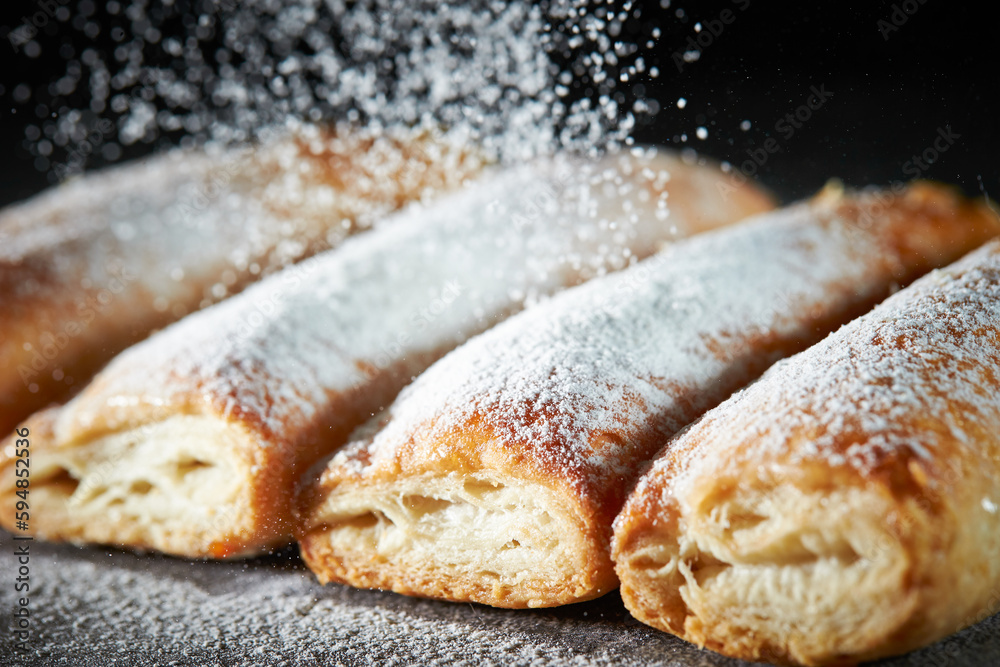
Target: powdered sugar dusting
<point x="577" y="386"/>
<point x="929" y="355"/>
<point x="417" y="285"/>
<point x="219" y="218"/>
<point x="94" y="607"/>
<point x="101" y="261"/>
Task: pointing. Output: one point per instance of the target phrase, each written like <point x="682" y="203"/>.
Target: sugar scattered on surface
<point x="92" y="607"/>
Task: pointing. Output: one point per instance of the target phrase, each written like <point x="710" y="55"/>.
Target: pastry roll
<point x="191" y="441"/>
<point x="95" y="265"/>
<point x="495" y="476"/>
<point x="844" y="507"/>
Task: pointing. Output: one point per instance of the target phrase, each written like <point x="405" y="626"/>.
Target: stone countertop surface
<point x="96" y="606"/>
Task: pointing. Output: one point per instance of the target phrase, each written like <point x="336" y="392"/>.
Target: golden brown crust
<point x="512" y="404"/>
<point x="94" y="266"/>
<point x="702" y="197"/>
<point x="267" y="475"/>
<point x="191" y="441"/>
<point x="472" y="449"/>
<point x="428" y="582"/>
<point x="871" y="458"/>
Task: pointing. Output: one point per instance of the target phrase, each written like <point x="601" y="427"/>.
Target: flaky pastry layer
<point x="457" y="537"/>
<point x="573" y="396"/>
<point x="176" y="483"/>
<point x="267" y="382"/>
<point x="845" y="507"/>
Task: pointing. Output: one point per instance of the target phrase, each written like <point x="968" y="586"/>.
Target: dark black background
<point x="890" y="96"/>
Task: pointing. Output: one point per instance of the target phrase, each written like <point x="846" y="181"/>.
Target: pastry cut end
<point x="493" y="540"/>
<point x="785" y="576"/>
<point x="174" y="486"/>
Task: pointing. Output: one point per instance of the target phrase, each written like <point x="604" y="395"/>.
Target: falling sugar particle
<point x="745" y="126"/>
<point x="701" y="133"/>
<point x="681" y="102"/>
<point x="257" y="64"/>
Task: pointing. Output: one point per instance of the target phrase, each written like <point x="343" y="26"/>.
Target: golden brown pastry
<point x="191" y="442"/>
<point x="496" y="475"/>
<point x="844" y="507"/>
<point x="96" y="264"/>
